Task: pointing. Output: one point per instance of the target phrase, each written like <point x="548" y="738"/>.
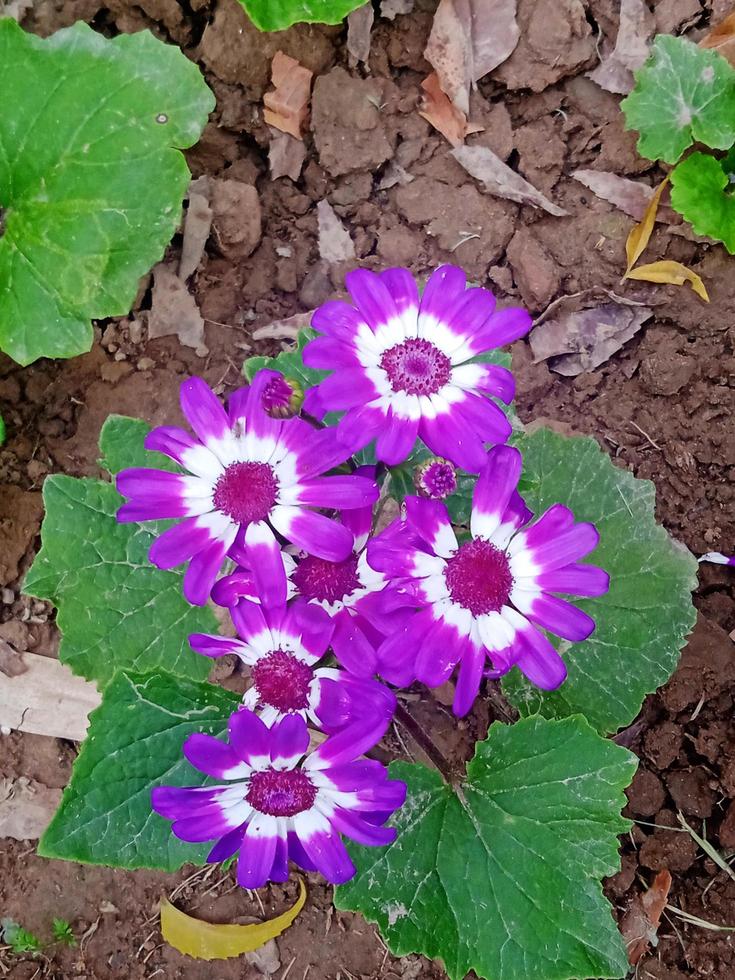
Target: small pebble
<point x="146" y="363"/>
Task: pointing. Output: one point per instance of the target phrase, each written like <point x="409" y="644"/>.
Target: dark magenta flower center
<point x="282" y="681"/>
<point x="478" y="577"/>
<point x="246" y="492"/>
<point x="328" y="581"/>
<point x="281" y="794"/>
<point x="416" y="366"/>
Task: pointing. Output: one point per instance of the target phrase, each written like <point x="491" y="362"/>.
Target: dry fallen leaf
<point x="286" y="107"/>
<point x="47" y="699"/>
<point x="581" y="339"/>
<point x="197" y="225"/>
<point x="174" y="310"/>
<point x="359" y="27"/>
<point x="26" y="808"/>
<point x="286" y="155"/>
<point x="639" y="926"/>
<point x="615" y="71"/>
<point x="668" y="271"/>
<point x="722" y="38"/>
<point x="335" y="244"/>
<point x="468" y="39"/>
<point x="209" y="941"/>
<point x="499" y="179"/>
<point x="392" y="8"/>
<point x="287" y="329"/>
<point x="640" y="234"/>
<point x="394" y="174"/>
<point x="629" y="196"/>
<point x="444" y="116"/>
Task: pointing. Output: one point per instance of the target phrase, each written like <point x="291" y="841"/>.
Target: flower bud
<point x="283" y="398"/>
<point x="436" y="478"/>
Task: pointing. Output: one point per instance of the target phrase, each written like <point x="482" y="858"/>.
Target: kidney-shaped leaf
<point x="503" y="875"/>
<point x="91" y="182"/>
<point x="644" y="619"/>
<point x="133" y="744"/>
<point x="115" y="610"/>
<point x="277" y="15"/>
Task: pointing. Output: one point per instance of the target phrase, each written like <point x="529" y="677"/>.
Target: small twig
<point x="696" y="921"/>
<point x="645" y="435"/>
<point x="708" y="849"/>
<point x="424" y="741"/>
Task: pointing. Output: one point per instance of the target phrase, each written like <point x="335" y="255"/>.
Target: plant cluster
<point x="685" y="94"/>
<point x="369" y="513"/>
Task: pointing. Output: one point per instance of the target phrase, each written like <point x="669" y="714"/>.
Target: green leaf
<point x="2" y="430"/>
<point x="121" y="445"/>
<point x="503" y="875"/>
<point x="701" y="191"/>
<point x="644" y="619"/>
<point x="91" y="180"/>
<point x="133" y="744"/>
<point x="115" y="610"/>
<point x="288" y="362"/>
<point x="683" y="94"/>
<point x="277" y="15"/>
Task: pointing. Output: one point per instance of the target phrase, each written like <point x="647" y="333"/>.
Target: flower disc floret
<point x="478" y="605"/>
<point x="276" y="801"/>
<point x="248" y="476"/>
<point x="406" y="367"/>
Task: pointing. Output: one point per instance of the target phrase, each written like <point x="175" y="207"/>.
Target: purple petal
<point x="447" y="437"/>
<point x="493" y="491"/>
<point x="289" y="741"/>
<point x="445" y="285"/>
<point x="438" y="655"/>
<point x="491" y="379"/>
<point x="203" y="570"/>
<point x="173" y="802"/>
<point x="208" y="754"/>
<point x="360" y="830"/>
<point x="430" y="520"/>
<point x="266" y="561"/>
<point x="250" y="738"/>
<point x="248" y="619"/>
<point x="324" y="846"/>
<point x="346" y="388"/>
<point x="469" y="679"/>
<point x="312" y="623"/>
<point x="338" y="492"/>
<point x="229" y="590"/>
<point x="364" y="774"/>
<point x="317" y="450"/>
<point x="581" y="580"/>
<point x="161" y="494"/>
<point x="566" y="547"/>
<point x="226" y="846"/>
<point x="314" y="533"/>
<point x="360" y="426"/>
<point x="488" y="421"/>
<point x="171" y="441"/>
<point x="214" y="646"/>
<point x="504" y="327"/>
<point x="326" y="354"/>
<point x="337" y="319"/>
<point x="371" y="297"/>
<point x="559" y="617"/>
<point x="258" y="424"/>
<point x="396" y="439"/>
<point x="402" y="287"/>
<point x="556" y="519"/>
<point x="257" y="851"/>
<point x="347" y="745"/>
<point x="352" y="648"/>
<point x="539" y="661"/>
<point x="203" y="411"/>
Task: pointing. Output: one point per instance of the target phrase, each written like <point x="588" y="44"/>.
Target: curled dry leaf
<point x="499" y="179"/>
<point x="287" y="329"/>
<point x="335" y="244"/>
<point x="444" y="116"/>
<point x="722" y="38"/>
<point x="392" y="8"/>
<point x="287" y="106"/>
<point x="640" y="923"/>
<point x="174" y="310"/>
<point x="286" y="155"/>
<point x="640" y="234"/>
<point x="670" y="272"/>
<point x="581" y="339"/>
<point x="630" y="196"/>
<point x="47" y="699"/>
<point x="197" y="226"/>
<point x="26" y="808"/>
<point x="209" y="941"/>
<point x="468" y="39"/>
<point x="615" y="71"/>
<point x="394" y="174"/>
<point x="359" y="27"/>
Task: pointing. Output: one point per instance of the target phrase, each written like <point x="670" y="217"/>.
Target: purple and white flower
<point x="248" y="475"/>
<point x="717" y="558"/>
<point x="281" y="646"/>
<point x="348" y="591"/>
<point x="403" y="367"/>
<point x="282" y="802"/>
<point x="483" y="599"/>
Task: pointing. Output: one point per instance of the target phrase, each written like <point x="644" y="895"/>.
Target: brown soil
<point x="661" y="407"/>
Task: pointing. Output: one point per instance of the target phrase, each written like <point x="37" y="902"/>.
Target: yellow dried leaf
<point x="208" y="941"/>
<point x="670" y="272"/>
<point x="641" y="233"/>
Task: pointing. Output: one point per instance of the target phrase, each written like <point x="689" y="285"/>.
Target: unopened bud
<point x="283" y="398"/>
<point x="436" y="478"/>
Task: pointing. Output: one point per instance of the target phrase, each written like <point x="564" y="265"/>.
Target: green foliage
<point x="63" y="932"/>
<point x="115" y="610"/>
<point x="288" y="362"/>
<point x="277" y="15"/>
<point x="701" y="191"/>
<point x="91" y="177"/>
<point x="644" y="619"/>
<point x="19" y="939"/>
<point x="683" y="94"/>
<point x="2" y="430"/>
<point x="133" y="744"/>
<point x="503" y="874"/>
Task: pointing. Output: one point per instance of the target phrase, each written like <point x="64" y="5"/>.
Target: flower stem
<point x="423" y="740"/>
